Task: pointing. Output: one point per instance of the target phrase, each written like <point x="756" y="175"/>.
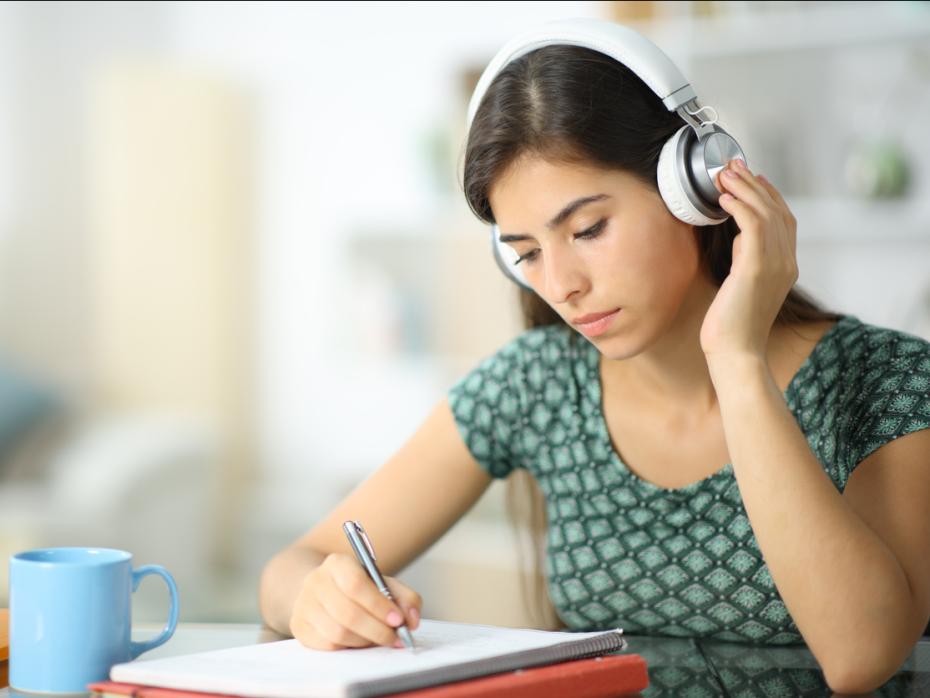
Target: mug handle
<point x="137" y="648"/>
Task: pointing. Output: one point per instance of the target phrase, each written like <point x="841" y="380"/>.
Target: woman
<point x="719" y="456"/>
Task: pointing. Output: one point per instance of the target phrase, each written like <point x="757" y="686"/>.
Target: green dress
<point x="623" y="552"/>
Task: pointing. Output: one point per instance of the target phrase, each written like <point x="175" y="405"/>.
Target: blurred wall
<point x="233" y="243"/>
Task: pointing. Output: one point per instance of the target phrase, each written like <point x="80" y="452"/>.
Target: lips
<point x="595" y="324"/>
<point x="593" y="317"/>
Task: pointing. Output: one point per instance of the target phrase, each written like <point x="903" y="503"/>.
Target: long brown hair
<point x="572" y="104"/>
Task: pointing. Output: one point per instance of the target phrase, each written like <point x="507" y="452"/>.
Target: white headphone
<point x="689" y="160"/>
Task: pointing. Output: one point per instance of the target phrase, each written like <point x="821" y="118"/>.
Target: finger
<point x="751" y="243"/>
<point x="743" y="170"/>
<point x="772" y="191"/>
<point x="790" y="223"/>
<point x="319" y="631"/>
<point x="780" y="200"/>
<point x="307" y="635"/>
<point x="744" y="187"/>
<point x="358" y="586"/>
<point x="410" y="601"/>
<point x="339" y="623"/>
<point x="354" y="618"/>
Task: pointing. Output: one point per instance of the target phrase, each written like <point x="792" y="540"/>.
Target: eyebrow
<point x="560" y="217"/>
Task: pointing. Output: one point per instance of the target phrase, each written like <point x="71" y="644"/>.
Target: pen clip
<point x="364" y="537"/>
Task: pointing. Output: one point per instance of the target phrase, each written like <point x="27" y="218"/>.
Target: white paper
<point x="286" y="669"/>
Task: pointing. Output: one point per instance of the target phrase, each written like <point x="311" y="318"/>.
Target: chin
<point x="616" y="347"/>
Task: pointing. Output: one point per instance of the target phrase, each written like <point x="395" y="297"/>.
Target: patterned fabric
<point x="624" y="552"/>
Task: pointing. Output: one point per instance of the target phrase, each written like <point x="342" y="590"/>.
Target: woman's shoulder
<point x="872" y="347"/>
<point x="864" y="368"/>
<point x="869" y="384"/>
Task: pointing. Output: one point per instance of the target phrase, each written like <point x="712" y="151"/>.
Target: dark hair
<point x="575" y="105"/>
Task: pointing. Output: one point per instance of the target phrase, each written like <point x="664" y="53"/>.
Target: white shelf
<point x="822" y="27"/>
<point x="837" y="220"/>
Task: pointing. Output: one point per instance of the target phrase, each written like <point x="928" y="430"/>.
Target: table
<point x="688" y="668"/>
<point x="678" y="668"/>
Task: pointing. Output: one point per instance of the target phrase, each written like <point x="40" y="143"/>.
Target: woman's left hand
<point x="764" y="266"/>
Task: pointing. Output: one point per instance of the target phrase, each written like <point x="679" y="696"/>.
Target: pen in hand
<point x="365" y="553"/>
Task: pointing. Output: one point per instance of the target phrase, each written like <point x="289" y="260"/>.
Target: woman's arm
<point x="405" y="506"/>
<point x="854" y="569"/>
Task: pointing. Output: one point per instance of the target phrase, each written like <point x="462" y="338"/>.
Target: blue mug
<point x="71" y="616"/>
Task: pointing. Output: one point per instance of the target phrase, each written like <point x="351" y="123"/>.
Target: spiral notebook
<point x="446" y="653"/>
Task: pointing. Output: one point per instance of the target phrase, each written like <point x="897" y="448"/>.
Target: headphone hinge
<point x="701" y="128"/>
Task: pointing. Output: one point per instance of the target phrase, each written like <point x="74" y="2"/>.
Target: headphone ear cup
<point x="668" y="174"/>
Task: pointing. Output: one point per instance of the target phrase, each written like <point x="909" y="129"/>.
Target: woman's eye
<point x="529" y="256"/>
<point x="588" y="234"/>
<point x="593" y="231"/>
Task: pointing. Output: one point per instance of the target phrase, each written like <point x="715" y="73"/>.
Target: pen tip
<point x="406" y="637"/>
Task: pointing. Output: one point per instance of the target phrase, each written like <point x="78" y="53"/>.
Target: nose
<point x="563" y="275"/>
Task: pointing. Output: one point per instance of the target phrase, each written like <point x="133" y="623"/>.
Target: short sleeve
<point x="892" y="397"/>
<point x="488" y="405"/>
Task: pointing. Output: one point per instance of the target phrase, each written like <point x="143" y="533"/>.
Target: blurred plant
<point x="877" y="169"/>
<point x="878" y="164"/>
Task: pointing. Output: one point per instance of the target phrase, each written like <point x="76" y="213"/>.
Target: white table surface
<point x="200" y="637"/>
<point x="187" y="638"/>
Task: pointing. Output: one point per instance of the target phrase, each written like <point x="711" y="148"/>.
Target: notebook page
<point x="285" y="669"/>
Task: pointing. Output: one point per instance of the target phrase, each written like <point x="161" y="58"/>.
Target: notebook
<point x="446" y="652"/>
<point x="600" y="677"/>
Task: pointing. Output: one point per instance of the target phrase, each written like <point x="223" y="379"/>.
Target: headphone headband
<point x="621" y="43"/>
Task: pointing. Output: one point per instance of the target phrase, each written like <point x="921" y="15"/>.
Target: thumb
<point x="409" y="601"/>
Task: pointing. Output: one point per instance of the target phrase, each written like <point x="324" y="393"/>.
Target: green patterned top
<point x="623" y="552"/>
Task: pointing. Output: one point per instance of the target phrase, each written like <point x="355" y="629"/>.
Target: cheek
<point x="650" y="262"/>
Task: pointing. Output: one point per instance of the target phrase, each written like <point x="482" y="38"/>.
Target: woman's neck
<point x="672" y="370"/>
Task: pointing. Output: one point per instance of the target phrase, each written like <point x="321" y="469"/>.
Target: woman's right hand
<point x="339" y="606"/>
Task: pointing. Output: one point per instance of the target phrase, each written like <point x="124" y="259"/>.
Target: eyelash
<point x="588" y="234"/>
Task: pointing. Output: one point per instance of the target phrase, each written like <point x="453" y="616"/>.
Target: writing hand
<point x="339" y="606"/>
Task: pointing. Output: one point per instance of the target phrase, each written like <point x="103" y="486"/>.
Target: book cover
<point x="4" y="635"/>
<point x="4" y="647"/>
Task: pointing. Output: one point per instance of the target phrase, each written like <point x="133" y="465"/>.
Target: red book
<point x="610" y="676"/>
<point x="4" y="647"/>
<point x="4" y="634"/>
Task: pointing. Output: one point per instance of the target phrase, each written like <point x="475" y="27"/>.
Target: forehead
<point x="533" y="185"/>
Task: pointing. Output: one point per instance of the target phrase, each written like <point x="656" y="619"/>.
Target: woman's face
<point x="621" y="253"/>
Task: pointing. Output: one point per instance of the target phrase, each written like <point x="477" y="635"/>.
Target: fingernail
<point x="398" y="644"/>
<point x="414" y="616"/>
<point x="394" y="619"/>
<point x="740" y="164"/>
<point x="729" y="174"/>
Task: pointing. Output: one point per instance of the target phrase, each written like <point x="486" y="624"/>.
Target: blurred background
<point x="237" y="269"/>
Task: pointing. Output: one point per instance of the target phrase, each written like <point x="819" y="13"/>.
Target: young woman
<point x="719" y="457"/>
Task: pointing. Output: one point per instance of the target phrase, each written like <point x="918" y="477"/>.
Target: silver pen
<point x="366" y="555"/>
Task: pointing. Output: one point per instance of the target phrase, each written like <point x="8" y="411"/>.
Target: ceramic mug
<point x="71" y="616"/>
